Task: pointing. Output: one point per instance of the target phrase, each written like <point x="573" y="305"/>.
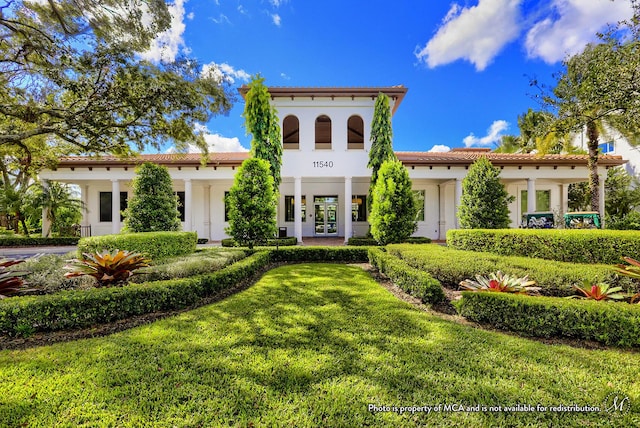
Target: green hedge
<point x="413" y="281"/>
<point x="451" y="266"/>
<point x="80" y="309"/>
<point x="605" y="322"/>
<point x="578" y="246"/>
<point x="157" y="245"/>
<point x="22" y="241"/>
<point x="372" y="242"/>
<point x="320" y="254"/>
<point x="292" y="240"/>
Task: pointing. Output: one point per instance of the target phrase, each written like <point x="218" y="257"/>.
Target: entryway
<point x="326" y="215"/>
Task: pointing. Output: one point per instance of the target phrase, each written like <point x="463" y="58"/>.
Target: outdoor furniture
<point x="582" y="220"/>
<point x="538" y="220"/>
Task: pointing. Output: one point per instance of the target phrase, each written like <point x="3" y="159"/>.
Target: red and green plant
<point x="601" y="291"/>
<point x="632" y="271"/>
<point x="11" y="281"/>
<point x="501" y="283"/>
<point x="110" y="268"/>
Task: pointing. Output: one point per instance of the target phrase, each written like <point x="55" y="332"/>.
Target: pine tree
<point x="485" y="201"/>
<point x="381" y="138"/>
<point x="153" y="205"/>
<point x="261" y="121"/>
<point x="252" y="204"/>
<point x="394" y="209"/>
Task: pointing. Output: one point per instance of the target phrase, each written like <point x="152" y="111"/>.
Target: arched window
<point x="323" y="133"/>
<point x="291" y="132"/>
<point x="355" y="133"/>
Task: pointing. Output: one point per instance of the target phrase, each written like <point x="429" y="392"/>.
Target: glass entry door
<point x="326" y="215"/>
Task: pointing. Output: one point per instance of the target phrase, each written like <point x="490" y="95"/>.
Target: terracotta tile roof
<point x="395" y="92"/>
<point x="467" y="157"/>
<point x="454" y="157"/>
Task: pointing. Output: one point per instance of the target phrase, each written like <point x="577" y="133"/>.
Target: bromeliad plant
<point x="600" y="291"/>
<point x="110" y="268"/>
<point x="11" y="281"/>
<point x="632" y="271"/>
<point x="501" y="283"/>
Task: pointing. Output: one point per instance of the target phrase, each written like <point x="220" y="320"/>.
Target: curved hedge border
<point x="22" y="316"/>
<point x="417" y="283"/>
<point x="23" y="241"/>
<point x="157" y="245"/>
<point x="450" y="266"/>
<point x="577" y="246"/>
<point x="608" y="323"/>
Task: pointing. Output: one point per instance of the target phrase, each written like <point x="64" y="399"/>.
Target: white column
<point x="187" y="204"/>
<point x="442" y="222"/>
<point x="531" y="195"/>
<point x="564" y="201"/>
<point x="348" y="226"/>
<point x="297" y="202"/>
<point x="84" y="196"/>
<point x="46" y="224"/>
<point x="115" y="205"/>
<point x="601" y="181"/>
<point x="207" y="211"/>
<point x="458" y="197"/>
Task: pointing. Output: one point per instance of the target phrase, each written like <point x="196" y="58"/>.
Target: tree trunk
<point x="594" y="179"/>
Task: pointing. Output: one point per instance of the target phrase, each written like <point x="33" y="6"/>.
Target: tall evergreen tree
<point x="252" y="204"/>
<point x="485" y="201"/>
<point x="381" y="138"/>
<point x="261" y="121"/>
<point x="153" y="205"/>
<point x="394" y="208"/>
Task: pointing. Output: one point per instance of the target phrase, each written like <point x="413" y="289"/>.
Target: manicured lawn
<point x="309" y="345"/>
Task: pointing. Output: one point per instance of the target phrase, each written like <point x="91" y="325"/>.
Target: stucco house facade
<point x="325" y="178"/>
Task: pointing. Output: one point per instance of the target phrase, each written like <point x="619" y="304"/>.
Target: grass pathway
<point x="310" y="345"/>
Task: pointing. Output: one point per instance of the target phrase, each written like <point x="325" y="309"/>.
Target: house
<point x="325" y="179"/>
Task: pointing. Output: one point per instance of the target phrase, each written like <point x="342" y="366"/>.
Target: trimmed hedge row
<point x="320" y="254"/>
<point x="157" y="245"/>
<point x="413" y="281"/>
<point x="80" y="309"/>
<point x="23" y="241"/>
<point x="577" y="246"/>
<point x="292" y="240"/>
<point x="615" y="324"/>
<point x="450" y="266"/>
<point x="372" y="242"/>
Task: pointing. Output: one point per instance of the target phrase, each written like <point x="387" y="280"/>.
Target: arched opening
<point x="291" y="132"/>
<point x="323" y="133"/>
<point x="355" y="133"/>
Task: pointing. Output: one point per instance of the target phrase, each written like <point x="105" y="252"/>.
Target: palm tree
<point x="55" y="197"/>
<point x="509" y="144"/>
<point x="13" y="202"/>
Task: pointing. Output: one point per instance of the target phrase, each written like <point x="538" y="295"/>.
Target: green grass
<point x="309" y="345"/>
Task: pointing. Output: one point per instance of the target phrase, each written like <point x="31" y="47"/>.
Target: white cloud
<point x="476" y="33"/>
<point x="494" y="135"/>
<point x="221" y="19"/>
<point x="225" y="72"/>
<point x="285" y="76"/>
<point x="277" y="3"/>
<point x="440" y="148"/>
<point x="572" y="25"/>
<point x="170" y="42"/>
<point x="190" y="16"/>
<point x="216" y="143"/>
<point x="276" y="19"/>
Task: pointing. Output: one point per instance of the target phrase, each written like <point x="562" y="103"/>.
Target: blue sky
<point x="467" y="64"/>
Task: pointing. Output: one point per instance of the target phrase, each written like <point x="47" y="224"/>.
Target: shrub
<point x="275" y="242"/>
<point x="393" y="209"/>
<point x="608" y="323"/>
<point x="320" y="254"/>
<point x="79" y="309"/>
<point x="11" y="281"/>
<point x="500" y="283"/>
<point x="413" y="281"/>
<point x="451" y="266"/>
<point x="110" y="268"/>
<point x="485" y="201"/>
<point x="598" y="292"/>
<point x="362" y="241"/>
<point x="155" y="245"/>
<point x="153" y="206"/>
<point x="578" y="246"/>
